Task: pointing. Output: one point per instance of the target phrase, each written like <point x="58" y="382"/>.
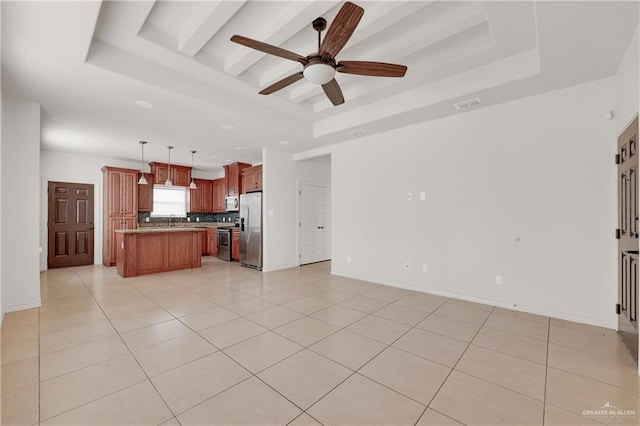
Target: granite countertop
<point x="186" y="225"/>
<point x="150" y="230"/>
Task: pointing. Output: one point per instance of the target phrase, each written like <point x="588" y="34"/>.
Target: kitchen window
<point x="169" y="200"/>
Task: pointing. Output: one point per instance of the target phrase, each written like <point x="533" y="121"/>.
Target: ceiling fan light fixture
<point x="319" y="73"/>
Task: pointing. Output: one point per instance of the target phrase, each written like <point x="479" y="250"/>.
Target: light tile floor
<point x="228" y="345"/>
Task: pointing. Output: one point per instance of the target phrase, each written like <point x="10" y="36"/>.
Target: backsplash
<point x="193" y="217"/>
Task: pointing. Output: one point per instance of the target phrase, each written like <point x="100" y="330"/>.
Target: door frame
<point x="299" y="186"/>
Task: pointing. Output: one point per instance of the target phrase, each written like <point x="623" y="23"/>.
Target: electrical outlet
<point x="188" y="219"/>
<point x="499" y="279"/>
<point x="423" y="196"/>
<point x="348" y="259"/>
<point x="425" y="267"/>
<point x="407" y="266"/>
<point x="146" y="219"/>
<point x="409" y="196"/>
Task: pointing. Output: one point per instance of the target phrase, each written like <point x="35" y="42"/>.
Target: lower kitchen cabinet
<point x="212" y="245"/>
<point x="205" y="245"/>
<point x="235" y="244"/>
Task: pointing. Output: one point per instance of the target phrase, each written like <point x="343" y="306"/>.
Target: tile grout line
<point x="367" y="362"/>
<point x="130" y="353"/>
<point x="454" y="368"/>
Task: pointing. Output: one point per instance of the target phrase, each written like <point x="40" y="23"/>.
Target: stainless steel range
<point x="224" y="244"/>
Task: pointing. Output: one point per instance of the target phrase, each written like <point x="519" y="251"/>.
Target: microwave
<point x="232" y="203"/>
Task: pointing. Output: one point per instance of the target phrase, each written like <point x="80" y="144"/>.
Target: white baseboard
<point x="21" y="307"/>
<point x="567" y="316"/>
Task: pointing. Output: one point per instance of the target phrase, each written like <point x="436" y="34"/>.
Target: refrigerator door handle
<point x="247" y="234"/>
<point x="242" y="224"/>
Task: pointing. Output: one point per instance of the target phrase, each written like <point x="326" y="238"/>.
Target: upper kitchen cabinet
<point x="219" y="191"/>
<point x="232" y="175"/>
<point x="145" y="194"/>
<point x="180" y="175"/>
<point x="201" y="199"/>
<point x="121" y="191"/>
<point x="252" y="179"/>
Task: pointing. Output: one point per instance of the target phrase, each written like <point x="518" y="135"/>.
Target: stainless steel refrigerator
<point x="251" y="230"/>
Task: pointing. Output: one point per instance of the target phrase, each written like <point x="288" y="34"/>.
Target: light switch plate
<point x="409" y="196"/>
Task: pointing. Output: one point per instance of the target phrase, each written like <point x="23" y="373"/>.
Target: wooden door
<point x="314" y="224"/>
<point x="70" y="224"/>
<point x="628" y="237"/>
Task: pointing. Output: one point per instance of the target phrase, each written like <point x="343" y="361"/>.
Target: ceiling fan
<point x="320" y="68"/>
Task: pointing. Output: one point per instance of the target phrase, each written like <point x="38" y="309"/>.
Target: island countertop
<point x="160" y="230"/>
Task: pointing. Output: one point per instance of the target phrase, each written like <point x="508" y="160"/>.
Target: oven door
<point x="224" y="239"/>
<point x="224" y="244"/>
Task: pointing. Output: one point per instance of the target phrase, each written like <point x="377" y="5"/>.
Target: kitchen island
<point x="150" y="250"/>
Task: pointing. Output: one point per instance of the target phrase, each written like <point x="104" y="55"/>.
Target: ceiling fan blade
<point x="340" y="30"/>
<point x="375" y="69"/>
<point x="333" y="92"/>
<point x="282" y="83"/>
<point x="268" y="48"/>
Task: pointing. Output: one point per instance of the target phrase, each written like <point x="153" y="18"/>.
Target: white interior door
<point x="314" y="223"/>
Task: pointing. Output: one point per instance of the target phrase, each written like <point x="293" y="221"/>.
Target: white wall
<point x="525" y="190"/>
<point x="1" y="309"/>
<point x="76" y="168"/>
<point x="279" y="240"/>
<point x="315" y="171"/>
<point x="627" y="85"/>
<point x="281" y="177"/>
<point x="20" y="184"/>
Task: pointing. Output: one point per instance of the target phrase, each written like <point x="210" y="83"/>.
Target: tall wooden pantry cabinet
<point x="120" y="206"/>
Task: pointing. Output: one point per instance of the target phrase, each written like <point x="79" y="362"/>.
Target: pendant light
<point x="168" y="181"/>
<point x="142" y="180"/>
<point x="192" y="185"/>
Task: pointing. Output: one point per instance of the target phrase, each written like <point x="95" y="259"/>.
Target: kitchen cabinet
<point x="235" y="244"/>
<point x="219" y="190"/>
<point x="252" y="179"/>
<point x="180" y="175"/>
<point x="232" y="176"/>
<point x="212" y="241"/>
<point x="120" y="197"/>
<point x="145" y="194"/>
<point x="201" y="198"/>
<point x="205" y="240"/>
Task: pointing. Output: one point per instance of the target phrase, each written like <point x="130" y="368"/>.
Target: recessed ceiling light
<point x="213" y="156"/>
<point x="228" y="127"/>
<point x="284" y="142"/>
<point x="239" y="148"/>
<point x="144" y="104"/>
<point x="227" y="161"/>
<point x="356" y="132"/>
